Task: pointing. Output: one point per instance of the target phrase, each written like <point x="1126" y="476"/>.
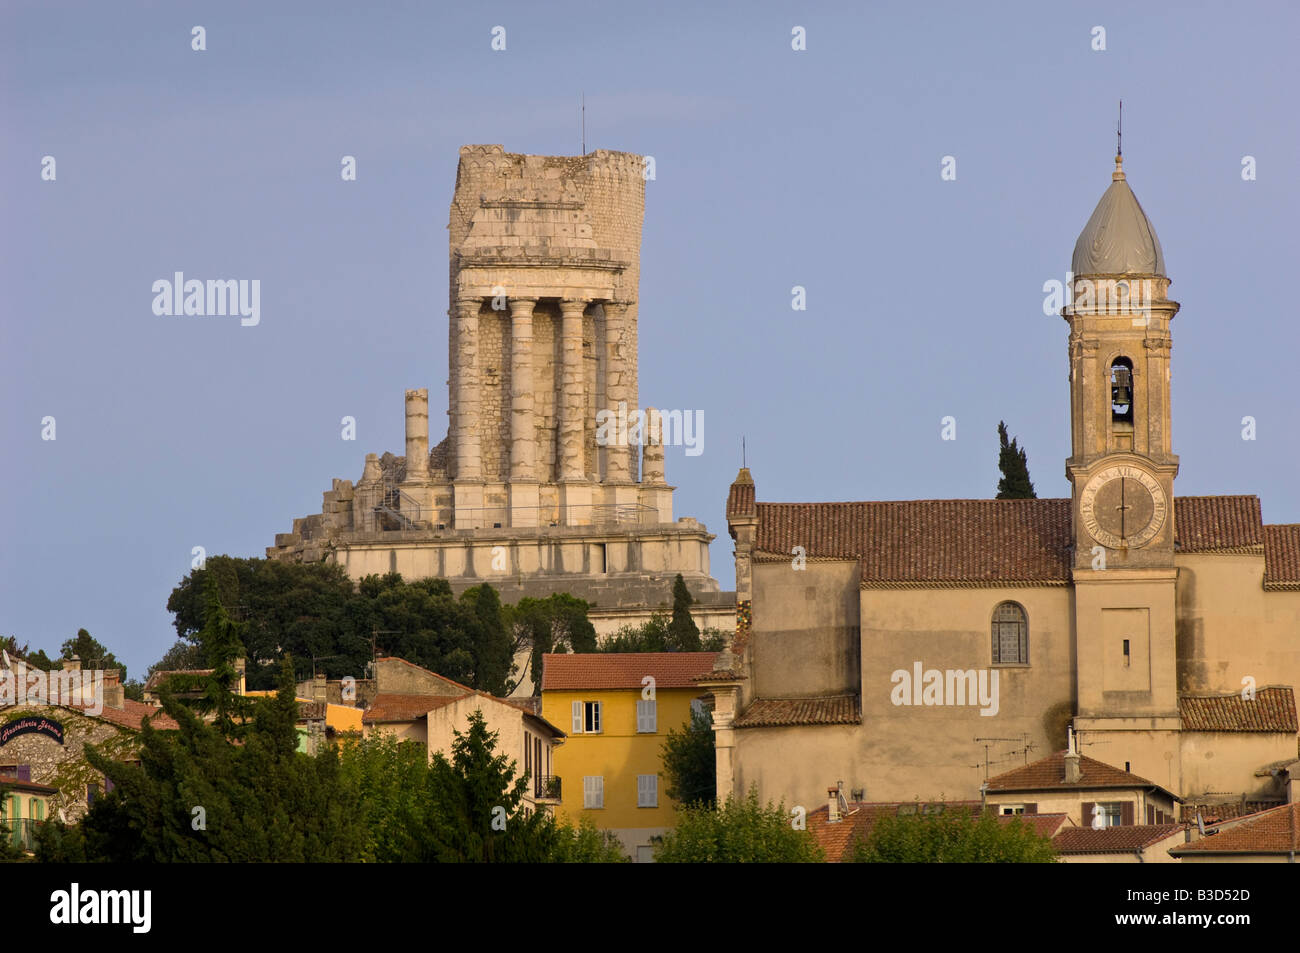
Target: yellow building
<point x="618" y="709"/>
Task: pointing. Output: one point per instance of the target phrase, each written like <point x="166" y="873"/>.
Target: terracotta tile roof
<point x="988" y="542"/>
<point x="131" y="715"/>
<point x="821" y="710"/>
<point x="1209" y="523"/>
<point x="623" y="670"/>
<point x="740" y="499"/>
<point x="1049" y="773"/>
<point x="1113" y="840"/>
<point x="1272" y="709"/>
<point x="1282" y="556"/>
<point x="955" y="541"/>
<point x="392" y="706"/>
<point x="1272" y="832"/>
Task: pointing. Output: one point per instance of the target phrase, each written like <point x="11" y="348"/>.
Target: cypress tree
<point x="1012" y="461"/>
<point x="683" y="633"/>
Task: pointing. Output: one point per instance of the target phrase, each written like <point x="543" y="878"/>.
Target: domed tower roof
<point x="1119" y="238"/>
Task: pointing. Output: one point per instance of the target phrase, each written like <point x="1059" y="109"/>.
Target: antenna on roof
<point x="1119" y="131"/>
<point x="584" y="123"/>
<point x="742" y="452"/>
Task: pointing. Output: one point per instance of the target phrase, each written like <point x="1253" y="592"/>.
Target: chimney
<point x="833" y="804"/>
<point x="417" y="435"/>
<point x="114" y="693"/>
<point x="318" y="688"/>
<point x="1072" y="772"/>
<point x="73" y="664"/>
<point x="241" y="667"/>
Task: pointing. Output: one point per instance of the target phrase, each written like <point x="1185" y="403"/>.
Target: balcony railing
<point x="21" y="833"/>
<point x="546" y="787"/>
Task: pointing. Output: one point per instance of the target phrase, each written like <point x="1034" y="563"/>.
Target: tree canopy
<point x="1014" y="464"/>
<point x="953" y="836"/>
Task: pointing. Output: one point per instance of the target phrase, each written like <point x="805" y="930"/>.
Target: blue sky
<point x="774" y="168"/>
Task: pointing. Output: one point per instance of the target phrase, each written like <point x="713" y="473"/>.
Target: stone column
<point x="652" y="449"/>
<point x="617" y="390"/>
<point x="523" y="429"/>
<point x="417" y="435"/>
<point x="469" y="459"/>
<point x="571" y="423"/>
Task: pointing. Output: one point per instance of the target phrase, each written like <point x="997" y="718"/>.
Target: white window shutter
<point x="652" y="715"/>
<point x="577" y="718"/>
<point x="647" y="790"/>
<point x="593" y="791"/>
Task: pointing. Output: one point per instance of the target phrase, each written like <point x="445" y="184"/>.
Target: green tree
<point x="683" y="633"/>
<point x="198" y="795"/>
<point x="737" y="831"/>
<point x="182" y="655"/>
<point x="649" y="636"/>
<point x="1014" y="464"/>
<point x="475" y="806"/>
<point x="586" y="844"/>
<point x="690" y="762"/>
<point x="557" y="623"/>
<point x="953" y="836"/>
<point x="92" y="654"/>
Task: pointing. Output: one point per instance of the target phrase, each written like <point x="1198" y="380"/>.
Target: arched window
<point x="1121" y="390"/>
<point x="1010" y="635"/>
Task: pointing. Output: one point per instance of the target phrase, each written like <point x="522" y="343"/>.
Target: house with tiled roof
<point x="617" y="708"/>
<point x="1267" y="837"/>
<point x="414" y="704"/>
<point x="1091" y="793"/>
<point x="48" y="718"/>
<point x="912" y="646"/>
<point x="1129" y="844"/>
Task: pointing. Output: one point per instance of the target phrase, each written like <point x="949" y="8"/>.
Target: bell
<point x="1121" y="386"/>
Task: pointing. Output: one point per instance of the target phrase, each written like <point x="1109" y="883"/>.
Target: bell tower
<point x="1122" y="471"/>
<point x="1119" y="318"/>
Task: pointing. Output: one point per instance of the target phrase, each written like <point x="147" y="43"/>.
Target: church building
<point x="903" y="647"/>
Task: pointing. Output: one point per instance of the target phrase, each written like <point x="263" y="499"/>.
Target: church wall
<point x="1220" y="599"/>
<point x="928" y="750"/>
<point x="805" y="638"/>
<point x="796" y="764"/>
<point x="1226" y="762"/>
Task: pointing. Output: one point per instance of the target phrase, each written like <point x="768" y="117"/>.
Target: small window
<point x="647" y="716"/>
<point x="1012" y="810"/>
<point x="1010" y="635"/>
<point x="647" y="790"/>
<point x="593" y="791"/>
<point x="586" y="718"/>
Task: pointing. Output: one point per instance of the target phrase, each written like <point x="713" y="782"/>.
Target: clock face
<point x="1123" y="507"/>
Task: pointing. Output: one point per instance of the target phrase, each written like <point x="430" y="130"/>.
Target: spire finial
<point x="1118" y="174"/>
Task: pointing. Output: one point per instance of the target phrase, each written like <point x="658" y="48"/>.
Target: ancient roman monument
<point x="526" y="491"/>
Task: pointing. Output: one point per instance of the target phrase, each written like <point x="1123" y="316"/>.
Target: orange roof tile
<point x="992" y="542"/>
<point x="1272" y="709"/>
<point x="623" y="670"/>
<point x="1274" y="831"/>
<point x="1282" y="556"/>
<point x="1049" y="773"/>
<point x="392" y="706"/>
<point x="1112" y="840"/>
<point x="821" y="710"/>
